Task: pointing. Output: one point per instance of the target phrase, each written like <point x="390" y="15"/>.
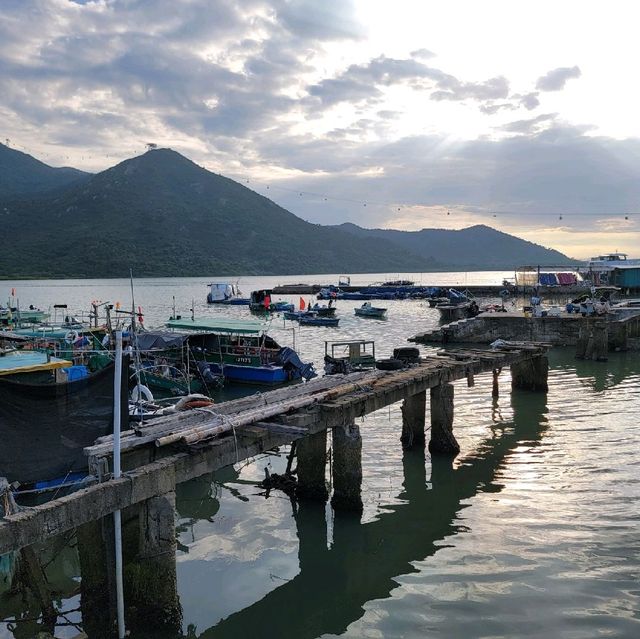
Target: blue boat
<point x="311" y="318"/>
<point x="239" y="351"/>
<point x="225" y="293"/>
<point x="262" y="302"/>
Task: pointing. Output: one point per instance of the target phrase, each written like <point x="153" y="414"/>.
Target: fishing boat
<point x="366" y="310"/>
<point x="350" y="356"/>
<point x="225" y="293"/>
<point x="50" y="409"/>
<point x="311" y="318"/>
<point x="236" y="351"/>
<point x="262" y="302"/>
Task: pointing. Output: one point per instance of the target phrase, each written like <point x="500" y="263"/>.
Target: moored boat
<point x="262" y="302"/>
<point x="311" y="318"/>
<point x="50" y="409"/>
<point x="366" y="310"/>
<point x="238" y="351"/>
<point x="225" y="293"/>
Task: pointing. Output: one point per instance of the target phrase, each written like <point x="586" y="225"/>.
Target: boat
<point x="50" y="409"/>
<point x="262" y="302"/>
<point x="350" y="356"/>
<point x="614" y="269"/>
<point x="225" y="293"/>
<point x="366" y="310"/>
<point x="236" y="351"/>
<point x="311" y="318"/>
<point x="324" y="310"/>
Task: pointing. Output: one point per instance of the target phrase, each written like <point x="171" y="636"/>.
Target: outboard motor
<point x="289" y="360"/>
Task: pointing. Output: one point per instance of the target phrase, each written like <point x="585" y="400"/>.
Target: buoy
<point x="70" y="337"/>
<point x="140" y="390"/>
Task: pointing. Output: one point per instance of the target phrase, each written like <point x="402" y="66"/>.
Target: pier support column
<point x="311" y="452"/>
<point x="151" y="594"/>
<point x="584" y="334"/>
<point x="495" y="388"/>
<point x="598" y="345"/>
<point x="531" y="374"/>
<point x="442" y="439"/>
<point x="347" y="467"/>
<point x="414" y="410"/>
<point x="97" y="584"/>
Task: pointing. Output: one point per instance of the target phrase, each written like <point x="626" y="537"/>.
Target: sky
<point x="400" y="114"/>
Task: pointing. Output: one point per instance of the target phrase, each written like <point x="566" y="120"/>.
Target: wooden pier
<point x="180" y="447"/>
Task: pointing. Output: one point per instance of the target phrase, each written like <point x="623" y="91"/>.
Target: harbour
<point x="339" y="509"/>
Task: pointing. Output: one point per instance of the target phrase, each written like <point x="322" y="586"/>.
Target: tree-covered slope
<point x="474" y="247"/>
<point x="23" y="175"/>
<point x="163" y="215"/>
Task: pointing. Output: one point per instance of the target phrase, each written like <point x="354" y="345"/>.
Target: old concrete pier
<point x="615" y="331"/>
<point x="174" y="449"/>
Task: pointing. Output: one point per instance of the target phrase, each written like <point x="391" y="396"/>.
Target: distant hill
<point x="23" y="175"/>
<point x="475" y="247"/>
<point x="163" y="215"/>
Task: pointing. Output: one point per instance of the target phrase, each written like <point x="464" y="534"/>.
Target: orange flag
<point x="302" y="307"/>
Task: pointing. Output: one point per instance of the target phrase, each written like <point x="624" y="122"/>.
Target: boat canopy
<point x="153" y="340"/>
<point x="30" y="362"/>
<point x="215" y="325"/>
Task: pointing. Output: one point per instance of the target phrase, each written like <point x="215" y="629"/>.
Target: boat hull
<point x="252" y="374"/>
<point x="45" y="426"/>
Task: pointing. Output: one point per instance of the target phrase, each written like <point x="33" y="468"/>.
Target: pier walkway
<point x="173" y="449"/>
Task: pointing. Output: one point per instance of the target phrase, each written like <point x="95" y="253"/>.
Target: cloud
<point x="248" y="89"/>
<point x="556" y="79"/>
<point x="531" y="125"/>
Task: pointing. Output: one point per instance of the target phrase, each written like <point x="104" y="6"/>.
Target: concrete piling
<point x="531" y="374"/>
<point x="347" y="467"/>
<point x="442" y="440"/>
<point x="414" y="410"/>
<point x="312" y="459"/>
<point x="151" y="593"/>
<point x="495" y="388"/>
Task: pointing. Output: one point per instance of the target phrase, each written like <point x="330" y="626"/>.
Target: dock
<point x="614" y="331"/>
<point x="484" y="290"/>
<point x="174" y="449"/>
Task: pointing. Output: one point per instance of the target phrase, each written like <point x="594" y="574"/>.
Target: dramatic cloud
<point x="556" y="79"/>
<point x="291" y="93"/>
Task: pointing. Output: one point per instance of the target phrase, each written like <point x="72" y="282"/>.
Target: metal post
<point x="117" y="522"/>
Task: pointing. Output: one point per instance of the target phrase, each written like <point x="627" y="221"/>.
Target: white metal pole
<point x="117" y="521"/>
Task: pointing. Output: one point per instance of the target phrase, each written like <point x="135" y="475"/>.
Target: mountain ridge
<point x="163" y="215"/>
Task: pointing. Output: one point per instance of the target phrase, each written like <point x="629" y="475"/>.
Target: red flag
<point x="267" y="301"/>
<point x="302" y="304"/>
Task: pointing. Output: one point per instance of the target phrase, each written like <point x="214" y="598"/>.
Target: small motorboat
<point x="324" y="310"/>
<point x="366" y="310"/>
<point x="311" y="318"/>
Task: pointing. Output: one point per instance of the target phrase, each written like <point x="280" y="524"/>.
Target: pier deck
<point x="180" y="447"/>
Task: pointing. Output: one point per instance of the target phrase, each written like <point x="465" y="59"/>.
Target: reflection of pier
<point x="146" y="493"/>
<point x="334" y="584"/>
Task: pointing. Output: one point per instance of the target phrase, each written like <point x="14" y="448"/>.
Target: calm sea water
<point x="532" y="531"/>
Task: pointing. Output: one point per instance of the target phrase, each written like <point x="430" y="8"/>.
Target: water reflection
<point x="338" y="566"/>
<point x="334" y="583"/>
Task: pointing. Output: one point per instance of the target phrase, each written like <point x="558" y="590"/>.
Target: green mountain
<point x="23" y="175"/>
<point x="162" y="215"/>
<point x="475" y="247"/>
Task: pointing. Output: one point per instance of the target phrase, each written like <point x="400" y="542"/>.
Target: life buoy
<point x="197" y="403"/>
<point x="70" y="337"/>
<point x="140" y="390"/>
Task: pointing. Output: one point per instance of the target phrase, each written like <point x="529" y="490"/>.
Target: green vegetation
<point x="162" y="215"/>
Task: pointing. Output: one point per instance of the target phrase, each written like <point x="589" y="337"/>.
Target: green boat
<point x="199" y="353"/>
